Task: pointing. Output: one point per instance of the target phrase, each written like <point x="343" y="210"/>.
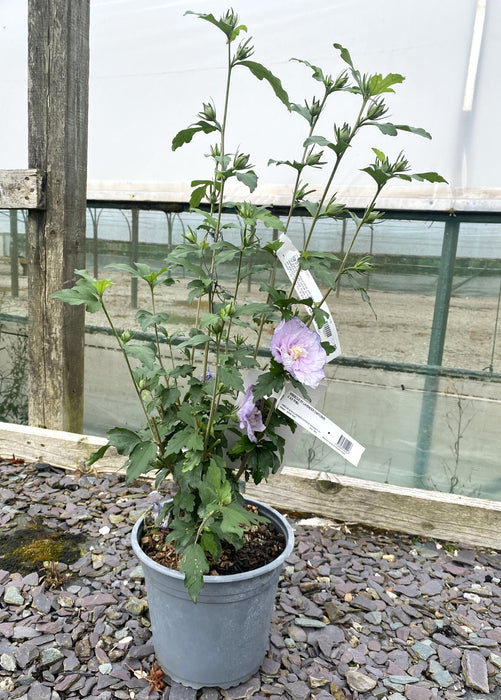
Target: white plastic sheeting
<point x="152" y="66"/>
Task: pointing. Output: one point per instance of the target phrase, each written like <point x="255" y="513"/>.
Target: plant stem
<point x="157" y="339"/>
<point x="339" y="158"/>
<point x="342" y="267"/>
<point x="150" y="420"/>
<point x="214" y="394"/>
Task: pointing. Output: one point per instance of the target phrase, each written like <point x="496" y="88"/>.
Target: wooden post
<point x="58" y="72"/>
<point x="14" y="254"/>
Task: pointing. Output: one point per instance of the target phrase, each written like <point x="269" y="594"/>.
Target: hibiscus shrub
<point x="210" y="399"/>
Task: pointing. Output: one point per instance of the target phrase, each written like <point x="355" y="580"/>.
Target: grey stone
<point x="475" y="671"/>
<point x="8" y="662"/>
<point x="270" y="666"/>
<point x="309" y="622"/>
<point x="136" y="606"/>
<point x="39" y="691"/>
<point x="105" y="668"/>
<point x="141" y="651"/>
<point x="449" y="659"/>
<point x="432" y="587"/>
<point x="359" y="681"/>
<point x="403" y="680"/>
<point x="180" y="692"/>
<point x="424" y="651"/>
<point x="41" y="602"/>
<point x="50" y="656"/>
<point x="137" y="573"/>
<point x="23" y="632"/>
<point x="83" y="648"/>
<point x="298" y="690"/>
<point x="417" y="692"/>
<point x="64" y="683"/>
<point x="91" y="601"/>
<point x="333" y="611"/>
<point x="364" y="603"/>
<point x="209" y="694"/>
<point x="374" y="618"/>
<point x="12" y="596"/>
<point x="440" y="675"/>
<point x="26" y="653"/>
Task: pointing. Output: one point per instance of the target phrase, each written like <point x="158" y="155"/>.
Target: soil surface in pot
<point x="262" y="544"/>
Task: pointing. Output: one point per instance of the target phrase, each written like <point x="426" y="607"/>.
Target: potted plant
<point x="217" y="412"/>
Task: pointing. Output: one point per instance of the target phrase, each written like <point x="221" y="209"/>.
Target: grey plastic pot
<point x="221" y="640"/>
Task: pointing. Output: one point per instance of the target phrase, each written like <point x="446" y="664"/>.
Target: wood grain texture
<point x="450" y="517"/>
<point x="22" y="189"/>
<point x="58" y="58"/>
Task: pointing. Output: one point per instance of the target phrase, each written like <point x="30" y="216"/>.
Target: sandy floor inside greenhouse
<point x="397" y="327"/>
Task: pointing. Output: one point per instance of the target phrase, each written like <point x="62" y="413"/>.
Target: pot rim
<point x="277" y="518"/>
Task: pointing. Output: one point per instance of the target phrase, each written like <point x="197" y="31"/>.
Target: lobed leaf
<point x="141" y="459"/>
<point x="194" y="565"/>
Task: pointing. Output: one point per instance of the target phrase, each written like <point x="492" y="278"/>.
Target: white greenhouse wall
<point x="152" y="66"/>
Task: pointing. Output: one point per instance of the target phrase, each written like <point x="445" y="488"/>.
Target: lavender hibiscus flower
<point x="250" y="415"/>
<point x="208" y="375"/>
<point x="298" y="349"/>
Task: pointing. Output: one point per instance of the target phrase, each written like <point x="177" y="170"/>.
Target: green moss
<point x="25" y="549"/>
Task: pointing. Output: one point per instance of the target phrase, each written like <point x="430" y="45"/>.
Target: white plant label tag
<point x="305" y="415"/>
<point x="306" y="287"/>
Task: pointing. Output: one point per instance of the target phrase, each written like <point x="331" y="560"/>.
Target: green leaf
<point x="235" y="517"/>
<point x="230" y="377"/>
<point x="248" y="178"/>
<point x="123" y="440"/>
<point x="230" y="30"/>
<point x="194" y="564"/>
<point x="185" y="135"/>
<point x="302" y="110"/>
<point x="94" y="456"/>
<point x="86" y="290"/>
<point x="146" y="319"/>
<point x="345" y="54"/>
<point x="145" y="353"/>
<point x="185" y="413"/>
<point x="318" y="73"/>
<point x="379" y="83"/>
<point x="79" y="295"/>
<point x="429" y="177"/>
<point x="271" y="221"/>
<point x="379" y="155"/>
<point x="260" y="72"/>
<point x="140" y="460"/>
<point x="269" y="382"/>
<point x="392" y="129"/>
<point x="320" y="140"/>
<point x="199" y="339"/>
<point x="210" y="544"/>
<point x="178" y="440"/>
<point x="197" y="195"/>
<point x="169" y="396"/>
<point x="180" y="371"/>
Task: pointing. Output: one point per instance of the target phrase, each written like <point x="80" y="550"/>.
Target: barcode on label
<point x="344" y="445"/>
<point x="326" y="330"/>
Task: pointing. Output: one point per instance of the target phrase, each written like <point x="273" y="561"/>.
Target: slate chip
<point x="413" y="621"/>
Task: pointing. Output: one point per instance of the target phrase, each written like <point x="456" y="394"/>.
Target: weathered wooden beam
<point x="442" y="516"/>
<point x="58" y="58"/>
<point x="22" y="189"/>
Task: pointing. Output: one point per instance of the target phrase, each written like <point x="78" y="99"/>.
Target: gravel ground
<point x="359" y="614"/>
